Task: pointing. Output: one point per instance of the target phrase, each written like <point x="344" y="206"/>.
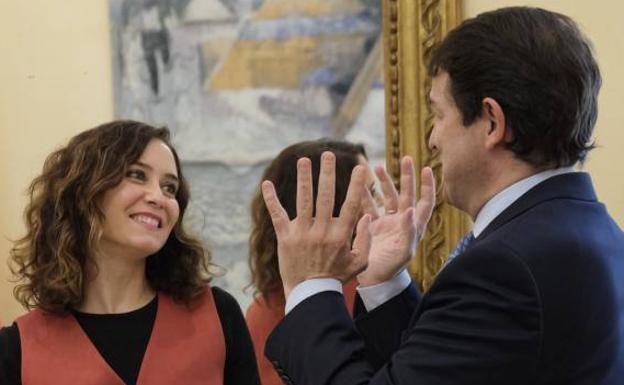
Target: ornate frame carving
<point x="411" y="28"/>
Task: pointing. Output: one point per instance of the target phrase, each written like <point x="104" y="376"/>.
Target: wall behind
<point x="56" y="81"/>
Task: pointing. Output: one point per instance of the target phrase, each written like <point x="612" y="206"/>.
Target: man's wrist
<point x="375" y="295"/>
<point x="308" y="288"/>
<point x="366" y="280"/>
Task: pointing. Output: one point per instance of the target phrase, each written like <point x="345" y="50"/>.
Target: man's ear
<point x="497" y="132"/>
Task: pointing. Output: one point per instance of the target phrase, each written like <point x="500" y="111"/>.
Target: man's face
<point x="459" y="147"/>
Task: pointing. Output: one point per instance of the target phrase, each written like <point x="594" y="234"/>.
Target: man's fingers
<point x="305" y="197"/>
<point x="279" y="217"/>
<point x="361" y="244"/>
<point x="391" y="197"/>
<point x="326" y="188"/>
<point x="408" y="238"/>
<point x="368" y="205"/>
<point x="426" y="203"/>
<point x="352" y="207"/>
<point x="407" y="197"/>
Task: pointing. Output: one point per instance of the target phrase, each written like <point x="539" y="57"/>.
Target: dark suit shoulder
<point x="561" y="228"/>
<point x="573" y="252"/>
<point x="10" y="355"/>
<point x="492" y="262"/>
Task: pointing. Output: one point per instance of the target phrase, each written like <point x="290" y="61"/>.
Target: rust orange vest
<point x="263" y="317"/>
<point x="186" y="347"/>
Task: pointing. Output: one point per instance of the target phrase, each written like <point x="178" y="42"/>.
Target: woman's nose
<point x="154" y="196"/>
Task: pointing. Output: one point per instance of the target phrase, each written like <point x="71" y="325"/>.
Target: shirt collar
<point x="509" y="195"/>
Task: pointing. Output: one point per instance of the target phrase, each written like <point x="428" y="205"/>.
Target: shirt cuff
<point x="376" y="295"/>
<point x="310" y="287"/>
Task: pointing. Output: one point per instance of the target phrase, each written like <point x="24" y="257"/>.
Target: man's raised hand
<point x="320" y="246"/>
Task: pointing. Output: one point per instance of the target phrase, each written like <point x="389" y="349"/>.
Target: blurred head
<point x="116" y="188"/>
<point x="282" y="171"/>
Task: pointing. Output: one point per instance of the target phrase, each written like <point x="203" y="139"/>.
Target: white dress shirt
<point x="375" y="295"/>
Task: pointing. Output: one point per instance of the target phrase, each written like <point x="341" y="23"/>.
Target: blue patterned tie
<point x="461" y="246"/>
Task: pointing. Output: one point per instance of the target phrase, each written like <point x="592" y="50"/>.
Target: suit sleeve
<point x="382" y="328"/>
<point x="479" y="324"/>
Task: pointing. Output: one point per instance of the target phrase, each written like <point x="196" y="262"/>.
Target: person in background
<point x="118" y="291"/>
<point x="267" y="308"/>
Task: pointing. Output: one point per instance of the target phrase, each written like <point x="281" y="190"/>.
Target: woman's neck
<point x="116" y="285"/>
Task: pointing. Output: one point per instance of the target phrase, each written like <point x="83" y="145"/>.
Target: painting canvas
<point x="237" y="81"/>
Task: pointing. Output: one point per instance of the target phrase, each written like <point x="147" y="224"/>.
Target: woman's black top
<point x="122" y="341"/>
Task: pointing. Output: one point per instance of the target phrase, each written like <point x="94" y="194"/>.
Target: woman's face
<point x="141" y="211"/>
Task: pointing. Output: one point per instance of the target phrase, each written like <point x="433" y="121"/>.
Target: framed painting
<point x="411" y="29"/>
<point x="236" y="81"/>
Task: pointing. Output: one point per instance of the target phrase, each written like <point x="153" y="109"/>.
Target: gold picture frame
<point x="411" y="29"/>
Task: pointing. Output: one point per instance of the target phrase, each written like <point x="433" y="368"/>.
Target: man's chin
<point x="451" y="197"/>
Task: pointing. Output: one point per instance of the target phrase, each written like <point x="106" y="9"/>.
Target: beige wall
<point x="56" y="81"/>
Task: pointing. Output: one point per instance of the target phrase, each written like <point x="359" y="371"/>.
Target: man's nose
<point x="432" y="141"/>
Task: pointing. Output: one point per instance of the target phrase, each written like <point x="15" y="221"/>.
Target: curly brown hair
<point x="282" y="171"/>
<point x="63" y="221"/>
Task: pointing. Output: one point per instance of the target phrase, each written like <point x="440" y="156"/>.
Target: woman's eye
<point x="170" y="189"/>
<point x="136" y="174"/>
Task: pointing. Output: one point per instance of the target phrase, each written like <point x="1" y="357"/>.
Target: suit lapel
<point x="576" y="185"/>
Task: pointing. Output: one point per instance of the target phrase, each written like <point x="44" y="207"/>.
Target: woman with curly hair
<point x="267" y="308"/>
<point x="118" y="290"/>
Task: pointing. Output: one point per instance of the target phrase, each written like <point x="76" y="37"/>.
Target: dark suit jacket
<point x="538" y="298"/>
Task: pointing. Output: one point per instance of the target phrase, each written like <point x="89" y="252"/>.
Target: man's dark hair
<point x="539" y="67"/>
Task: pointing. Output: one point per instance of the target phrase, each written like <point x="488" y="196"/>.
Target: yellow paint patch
<point x="214" y="51"/>
<point x="281" y="63"/>
<point x="275" y="9"/>
<point x="266" y="63"/>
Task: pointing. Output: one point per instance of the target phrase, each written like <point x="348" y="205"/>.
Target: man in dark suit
<point x="535" y="295"/>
